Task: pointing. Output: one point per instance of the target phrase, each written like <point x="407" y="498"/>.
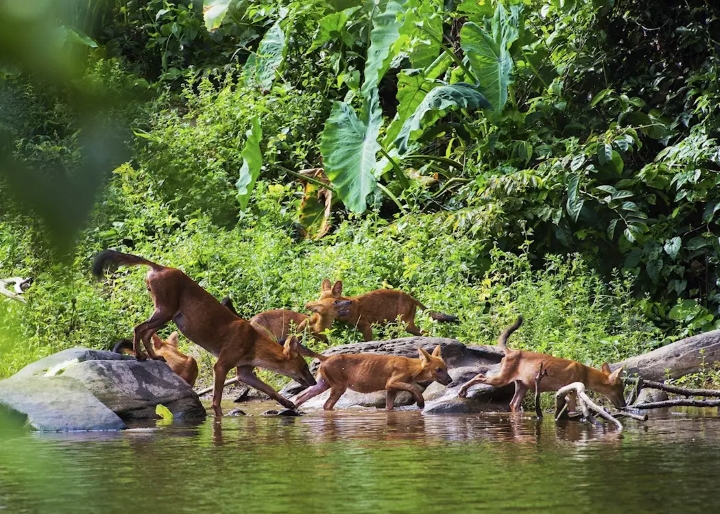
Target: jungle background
<point x="551" y="158"/>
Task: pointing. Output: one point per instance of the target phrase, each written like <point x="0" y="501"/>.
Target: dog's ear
<point x="425" y="356"/>
<point x="326" y="285"/>
<point x="157" y="342"/>
<point x="173" y="339"/>
<point x="337" y="289"/>
<point x="312" y="306"/>
<point x="290" y="348"/>
<point x="615" y="375"/>
<point x="605" y="368"/>
<point x="436" y="352"/>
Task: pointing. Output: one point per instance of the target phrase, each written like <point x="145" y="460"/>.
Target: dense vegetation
<point x="546" y="157"/>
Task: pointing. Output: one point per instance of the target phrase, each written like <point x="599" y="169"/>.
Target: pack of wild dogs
<point x="268" y="341"/>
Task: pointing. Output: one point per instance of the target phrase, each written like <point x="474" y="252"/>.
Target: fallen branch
<point x="626" y="414"/>
<point x="584" y="402"/>
<point x="682" y="402"/>
<point x="541" y="373"/>
<point x="18" y="289"/>
<point x="681" y="390"/>
<point x="209" y="389"/>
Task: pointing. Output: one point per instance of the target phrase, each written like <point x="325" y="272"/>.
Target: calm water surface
<point x="369" y="461"/>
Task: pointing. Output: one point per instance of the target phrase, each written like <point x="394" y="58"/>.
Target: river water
<point x="369" y="461"/>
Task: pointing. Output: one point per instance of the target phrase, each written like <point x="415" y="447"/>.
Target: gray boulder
<point x="676" y="359"/>
<point x="56" y="404"/>
<point x="649" y="395"/>
<point x="81" y="389"/>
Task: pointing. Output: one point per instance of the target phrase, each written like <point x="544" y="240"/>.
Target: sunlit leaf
<point x="261" y="66"/>
<point x="574" y="202"/>
<point x="435" y="105"/>
<point x="214" y="12"/>
<point x="349" y="149"/>
<point x="252" y="163"/>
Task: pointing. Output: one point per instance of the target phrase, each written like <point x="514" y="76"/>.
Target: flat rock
<point x="676" y="359"/>
<point x="56" y="404"/>
<point x="354" y="399"/>
<point x="125" y="386"/>
<point x="82" y="389"/>
<point x="649" y="395"/>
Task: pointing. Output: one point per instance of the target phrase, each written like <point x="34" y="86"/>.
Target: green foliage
<point x="252" y="162"/>
<point x="261" y="67"/>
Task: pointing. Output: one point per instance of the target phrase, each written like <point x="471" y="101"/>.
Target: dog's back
<point x="278" y="323"/>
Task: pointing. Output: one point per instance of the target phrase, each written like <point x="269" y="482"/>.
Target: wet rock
<point x="271" y="412"/>
<point x="71" y="385"/>
<point x="132" y="388"/>
<point x="355" y="399"/>
<point x="649" y="395"/>
<point x="236" y="412"/>
<point x="56" y="404"/>
<point x="676" y="359"/>
<point x="248" y="394"/>
<point x="289" y="412"/>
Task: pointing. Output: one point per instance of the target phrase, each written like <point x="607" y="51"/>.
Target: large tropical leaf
<point x="412" y="88"/>
<point x="332" y="27"/>
<point x="261" y="66"/>
<point x="252" y="162"/>
<point x="488" y="52"/>
<point x="421" y="33"/>
<point x="435" y="105"/>
<point x="349" y="149"/>
<point x="385" y="32"/>
<point x="214" y="12"/>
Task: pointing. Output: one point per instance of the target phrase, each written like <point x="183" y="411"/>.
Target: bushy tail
<point x="108" y="258"/>
<point x="124" y="344"/>
<point x="502" y="340"/>
<point x="438" y="316"/>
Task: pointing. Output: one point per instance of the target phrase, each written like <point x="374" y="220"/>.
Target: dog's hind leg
<point x="520" y="390"/>
<point x="145" y="330"/>
<point x="311" y="392"/>
<point x="247" y="375"/>
<point x="477" y="379"/>
<point x="390" y="400"/>
<point x="335" y="394"/>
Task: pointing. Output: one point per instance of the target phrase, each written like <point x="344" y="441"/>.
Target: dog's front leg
<point x="311" y="392"/>
<point x="247" y="375"/>
<point x="410" y="388"/>
<point x="221" y="370"/>
<point x="390" y="400"/>
<point x="477" y="379"/>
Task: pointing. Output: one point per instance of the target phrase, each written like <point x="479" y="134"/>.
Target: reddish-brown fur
<point x="207" y="323"/>
<point x="521" y="367"/>
<point x="369" y="372"/>
<point x="381" y="306"/>
<point x="183" y="365"/>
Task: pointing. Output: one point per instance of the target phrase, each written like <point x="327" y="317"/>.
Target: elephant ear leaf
<point x="316" y="207"/>
<point x="488" y="52"/>
<point x="438" y="102"/>
<point x="261" y="66"/>
<point x="349" y="148"/>
<point x="385" y="32"/>
<point x="252" y="162"/>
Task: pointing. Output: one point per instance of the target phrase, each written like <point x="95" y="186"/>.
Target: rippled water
<point x="365" y="461"/>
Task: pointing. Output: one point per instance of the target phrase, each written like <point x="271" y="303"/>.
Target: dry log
<point x="685" y="391"/>
<point x="681" y="402"/>
<point x="583" y="401"/>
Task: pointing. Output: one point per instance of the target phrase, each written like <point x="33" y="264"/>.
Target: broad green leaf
<point x="385" y="31"/>
<point x="78" y="37"/>
<point x="653" y="268"/>
<point x="422" y="33"/>
<point x="684" y="311"/>
<point x="252" y="162"/>
<point x="330" y="27"/>
<point x="604" y="154"/>
<point x="412" y="89"/>
<point x="261" y="66"/>
<point x="488" y="52"/>
<point x="435" y="105"/>
<point x="672" y="247"/>
<point x="602" y="94"/>
<point x="617" y="162"/>
<point x="166" y="416"/>
<point x="574" y="202"/>
<point x="349" y="149"/>
<point x="611" y="228"/>
<point x="214" y="12"/>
